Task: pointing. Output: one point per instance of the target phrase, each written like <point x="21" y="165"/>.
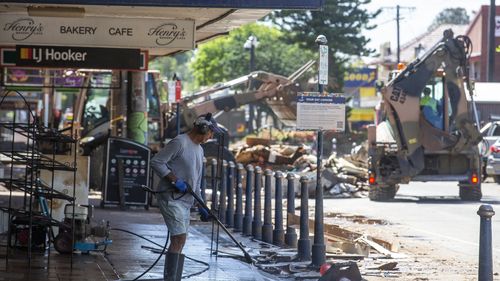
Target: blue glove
<point x="180" y="185"/>
<point x="204" y="215"/>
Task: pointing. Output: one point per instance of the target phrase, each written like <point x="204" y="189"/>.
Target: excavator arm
<point x="269" y="85"/>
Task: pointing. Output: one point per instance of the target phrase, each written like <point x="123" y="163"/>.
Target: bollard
<point x="247" y="219"/>
<point x="278" y="233"/>
<point x="223" y="193"/>
<point x="257" y="220"/>
<point x="318" y="247"/>
<point x="291" y="235"/>
<point x="267" y="228"/>
<point x="203" y="180"/>
<point x="304" y="244"/>
<point x="213" y="182"/>
<point x="230" y="197"/>
<point x="485" y="258"/>
<point x="238" y="214"/>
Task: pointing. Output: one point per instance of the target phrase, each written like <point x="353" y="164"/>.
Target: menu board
<point x="127" y="164"/>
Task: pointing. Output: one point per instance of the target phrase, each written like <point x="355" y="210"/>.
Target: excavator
<point x="428" y="130"/>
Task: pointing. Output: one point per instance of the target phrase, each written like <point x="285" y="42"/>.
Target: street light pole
<point x="250" y="45"/>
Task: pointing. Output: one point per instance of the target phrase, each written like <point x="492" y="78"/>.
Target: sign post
<point x="319" y="112"/>
<point x="318" y="248"/>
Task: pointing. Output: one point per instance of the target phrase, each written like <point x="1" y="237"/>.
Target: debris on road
<point x="342" y="177"/>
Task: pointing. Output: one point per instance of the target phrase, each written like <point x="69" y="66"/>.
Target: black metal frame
<point x="31" y="185"/>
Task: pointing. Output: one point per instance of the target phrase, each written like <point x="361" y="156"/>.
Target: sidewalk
<point x="126" y="258"/>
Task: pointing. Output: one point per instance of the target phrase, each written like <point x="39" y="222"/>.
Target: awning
<point x="211" y="18"/>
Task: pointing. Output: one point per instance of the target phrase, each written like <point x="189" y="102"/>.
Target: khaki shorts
<point x="175" y="214"/>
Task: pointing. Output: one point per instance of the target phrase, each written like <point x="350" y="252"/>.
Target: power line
<point x="398" y="19"/>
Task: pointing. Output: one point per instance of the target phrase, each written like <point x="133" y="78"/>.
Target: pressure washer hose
<point x="161" y="254"/>
<point x="190" y="190"/>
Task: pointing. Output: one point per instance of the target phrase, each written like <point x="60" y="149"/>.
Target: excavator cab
<point x="428" y="133"/>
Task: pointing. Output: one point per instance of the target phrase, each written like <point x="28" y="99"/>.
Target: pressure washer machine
<point x="87" y="236"/>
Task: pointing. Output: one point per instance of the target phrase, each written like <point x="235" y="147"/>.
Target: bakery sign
<point x="143" y="33"/>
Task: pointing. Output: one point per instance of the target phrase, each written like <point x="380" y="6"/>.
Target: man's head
<point x="205" y="125"/>
<point x="427" y="91"/>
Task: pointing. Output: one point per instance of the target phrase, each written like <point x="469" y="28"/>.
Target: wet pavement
<point x="131" y="254"/>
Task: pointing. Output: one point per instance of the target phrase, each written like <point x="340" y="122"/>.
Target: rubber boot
<point x="174" y="264"/>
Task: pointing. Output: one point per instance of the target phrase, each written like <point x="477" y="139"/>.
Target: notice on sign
<point x="315" y="112"/>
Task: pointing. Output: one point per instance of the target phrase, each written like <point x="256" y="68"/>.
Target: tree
<point x="225" y="58"/>
<point x="177" y="64"/>
<point x="450" y="16"/>
<point x="341" y="21"/>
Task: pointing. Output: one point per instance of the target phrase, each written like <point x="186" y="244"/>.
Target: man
<point x="427" y="100"/>
<point x="179" y="165"/>
<point x="430" y="109"/>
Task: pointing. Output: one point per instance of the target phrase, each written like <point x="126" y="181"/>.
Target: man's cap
<point x="208" y="120"/>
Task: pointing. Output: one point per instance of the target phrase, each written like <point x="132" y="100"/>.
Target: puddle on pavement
<point x="357" y="218"/>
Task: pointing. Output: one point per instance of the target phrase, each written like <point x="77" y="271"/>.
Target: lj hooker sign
<point x="56" y="56"/>
<point x="97" y="32"/>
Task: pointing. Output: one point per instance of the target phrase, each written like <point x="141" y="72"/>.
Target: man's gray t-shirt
<point x="184" y="158"/>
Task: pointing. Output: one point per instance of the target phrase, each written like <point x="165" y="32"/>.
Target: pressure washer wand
<point x="248" y="258"/>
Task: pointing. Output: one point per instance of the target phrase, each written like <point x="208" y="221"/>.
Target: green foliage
<point x="177" y="64"/>
<point x="450" y="16"/>
<point x="223" y="59"/>
<point x="341" y="21"/>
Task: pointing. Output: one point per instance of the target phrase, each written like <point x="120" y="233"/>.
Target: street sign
<point x="74" y="57"/>
<point x="323" y="64"/>
<point x="319" y="112"/>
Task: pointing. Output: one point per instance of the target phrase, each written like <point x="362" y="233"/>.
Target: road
<point x="431" y="217"/>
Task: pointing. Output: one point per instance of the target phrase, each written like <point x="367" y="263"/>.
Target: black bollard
<point x="304" y="244"/>
<point x="247" y="219"/>
<point x="213" y="183"/>
<point x="238" y="214"/>
<point x="267" y="228"/>
<point x="291" y="235"/>
<point x="485" y="258"/>
<point x="223" y="193"/>
<point x="318" y="247"/>
<point x="278" y="233"/>
<point x="230" y="197"/>
<point x="203" y="180"/>
<point x="257" y="216"/>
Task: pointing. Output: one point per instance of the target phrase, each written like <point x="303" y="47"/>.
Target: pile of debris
<point x="345" y="177"/>
<point x="342" y="177"/>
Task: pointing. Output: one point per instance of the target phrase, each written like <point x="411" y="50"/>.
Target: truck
<point x="433" y="138"/>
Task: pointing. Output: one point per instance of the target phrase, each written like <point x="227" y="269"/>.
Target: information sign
<point x="318" y="112"/>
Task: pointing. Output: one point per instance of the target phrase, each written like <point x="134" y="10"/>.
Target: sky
<point x="415" y="21"/>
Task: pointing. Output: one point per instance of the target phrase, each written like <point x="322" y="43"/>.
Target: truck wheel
<point x="382" y="192"/>
<point x="470" y="192"/>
